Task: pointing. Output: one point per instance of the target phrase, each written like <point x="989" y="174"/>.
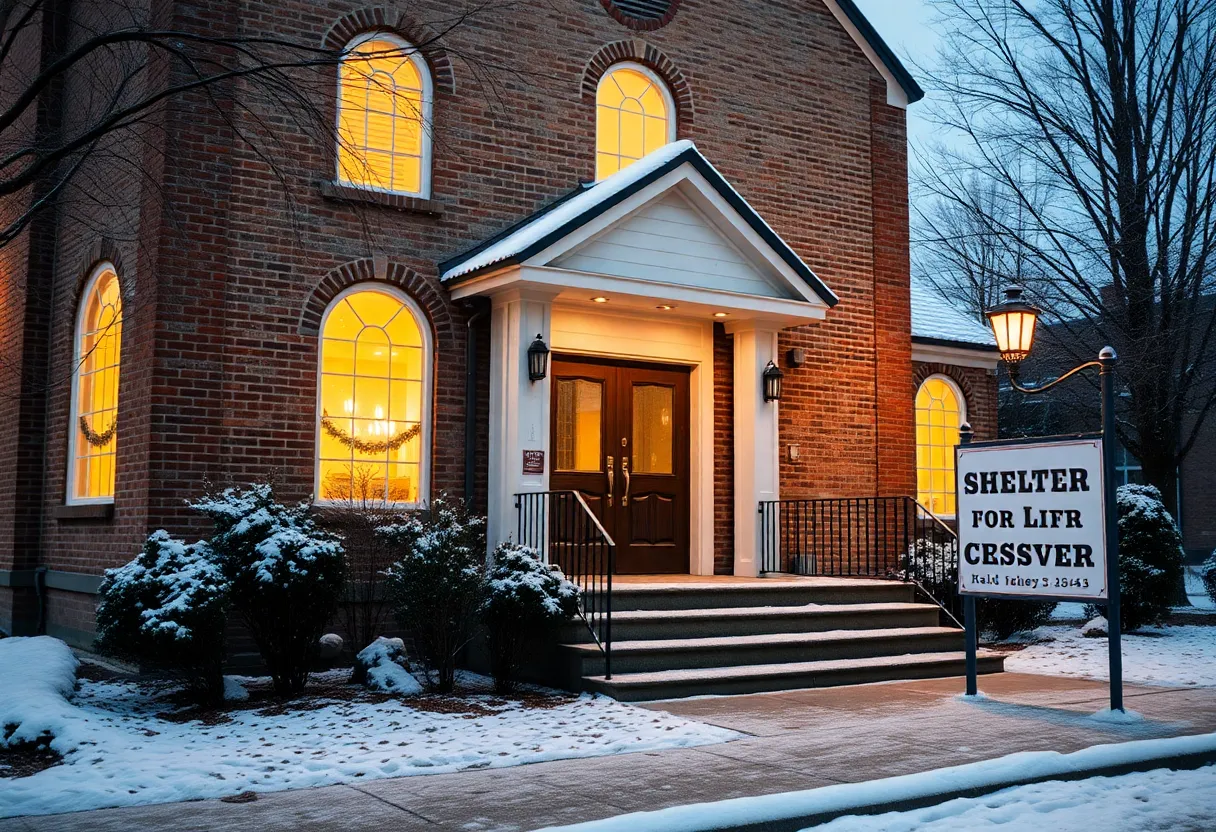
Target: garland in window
<point x="97" y="440"/>
<point x="365" y="446"/>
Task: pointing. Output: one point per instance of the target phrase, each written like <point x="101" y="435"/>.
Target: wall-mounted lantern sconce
<point x="772" y="382"/>
<point x="538" y="359"/>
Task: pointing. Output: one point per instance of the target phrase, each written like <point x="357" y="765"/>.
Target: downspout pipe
<point x="40" y="591"/>
<point x="470" y="405"/>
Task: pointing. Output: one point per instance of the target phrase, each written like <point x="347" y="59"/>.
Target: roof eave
<point x="889" y="59"/>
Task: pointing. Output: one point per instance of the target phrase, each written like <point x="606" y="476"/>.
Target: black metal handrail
<point x="564" y="531"/>
<point x="881" y="537"/>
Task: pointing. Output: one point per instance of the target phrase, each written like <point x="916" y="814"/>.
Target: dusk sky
<point x="908" y="28"/>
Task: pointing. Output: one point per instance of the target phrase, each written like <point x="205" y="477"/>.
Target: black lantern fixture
<point x="772" y="382"/>
<point x="1013" y="323"/>
<point x="538" y="359"/>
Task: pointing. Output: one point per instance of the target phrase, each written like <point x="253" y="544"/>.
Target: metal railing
<point x="561" y="527"/>
<point x="882" y="537"/>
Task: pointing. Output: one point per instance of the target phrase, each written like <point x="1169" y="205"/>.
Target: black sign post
<point x="1106" y="367"/>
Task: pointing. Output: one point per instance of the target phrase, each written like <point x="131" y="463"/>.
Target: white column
<point x="519" y="407"/>
<point x="757" y="458"/>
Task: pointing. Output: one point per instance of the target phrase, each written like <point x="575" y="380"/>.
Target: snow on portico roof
<point x="936" y="321"/>
<point x="532" y="235"/>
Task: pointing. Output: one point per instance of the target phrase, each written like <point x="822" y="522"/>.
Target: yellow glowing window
<point x="633" y="116"/>
<point x="94" y="428"/>
<point x="384" y="116"/>
<point x="580" y="409"/>
<point x="938" y="416"/>
<point x="372" y="413"/>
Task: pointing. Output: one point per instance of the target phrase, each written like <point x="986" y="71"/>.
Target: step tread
<point x="770" y="612"/>
<point x="751" y="585"/>
<point x="639" y="646"/>
<point x="761" y="671"/>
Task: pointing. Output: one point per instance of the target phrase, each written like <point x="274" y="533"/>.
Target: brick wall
<point x="223" y="258"/>
<point x="724" y="453"/>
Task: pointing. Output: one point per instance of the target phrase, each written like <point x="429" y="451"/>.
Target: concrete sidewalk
<point x="798" y="740"/>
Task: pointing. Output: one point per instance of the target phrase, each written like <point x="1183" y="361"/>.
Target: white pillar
<point x="757" y="458"/>
<point x="519" y="407"/>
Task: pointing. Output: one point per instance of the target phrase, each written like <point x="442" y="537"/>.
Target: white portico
<point x="623" y="281"/>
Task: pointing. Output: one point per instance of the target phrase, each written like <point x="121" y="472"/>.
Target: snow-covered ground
<point x="1180" y="801"/>
<point x="118" y="752"/>
<point x="1196" y="594"/>
<point x="1170" y="655"/>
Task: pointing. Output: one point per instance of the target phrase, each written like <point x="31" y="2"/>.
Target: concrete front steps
<point x="690" y="638"/>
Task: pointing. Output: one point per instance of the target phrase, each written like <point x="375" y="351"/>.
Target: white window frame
<point x="962" y="416"/>
<point x="668" y="101"/>
<point x="424" y="73"/>
<point x="428" y="373"/>
<point x="70" y="499"/>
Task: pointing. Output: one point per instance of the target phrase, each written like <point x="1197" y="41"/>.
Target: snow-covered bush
<point x="437" y="583"/>
<point x="287" y="575"/>
<point x="37" y="675"/>
<point x="526" y="600"/>
<point x="1207" y="572"/>
<point x="382" y="666"/>
<point x="1002" y="617"/>
<point x="167" y="609"/>
<point x="1150" y="558"/>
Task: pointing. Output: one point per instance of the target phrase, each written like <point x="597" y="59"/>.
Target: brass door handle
<point x="625" y="471"/>
<point x="611" y="472"/>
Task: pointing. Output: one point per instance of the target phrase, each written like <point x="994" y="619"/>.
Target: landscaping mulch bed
<point x="26" y="759"/>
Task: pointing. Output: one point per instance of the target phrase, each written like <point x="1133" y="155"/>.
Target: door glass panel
<point x="580" y="406"/>
<point x="652" y="429"/>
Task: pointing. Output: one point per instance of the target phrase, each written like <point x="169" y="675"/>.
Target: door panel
<point x="620" y="436"/>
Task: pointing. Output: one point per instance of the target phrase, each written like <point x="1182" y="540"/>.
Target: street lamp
<point x="1013" y="323"/>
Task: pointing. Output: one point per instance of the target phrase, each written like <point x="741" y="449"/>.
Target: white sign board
<point x="1031" y="519"/>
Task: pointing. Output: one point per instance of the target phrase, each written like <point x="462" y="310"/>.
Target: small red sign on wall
<point x="534" y="462"/>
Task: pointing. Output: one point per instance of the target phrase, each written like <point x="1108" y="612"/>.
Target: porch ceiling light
<point x="665" y="306"/>
<point x="772" y="382"/>
<point x="1013" y="323"/>
<point x="721" y="314"/>
<point x="600" y="299"/>
<point x="538" y="359"/>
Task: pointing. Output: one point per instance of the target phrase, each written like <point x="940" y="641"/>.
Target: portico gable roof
<point x="543" y="238"/>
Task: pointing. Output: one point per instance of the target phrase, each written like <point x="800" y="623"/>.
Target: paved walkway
<point x="798" y="740"/>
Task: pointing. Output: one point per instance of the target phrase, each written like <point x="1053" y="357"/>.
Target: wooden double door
<point x="620" y="436"/>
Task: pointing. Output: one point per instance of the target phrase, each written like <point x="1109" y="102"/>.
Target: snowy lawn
<point x="126" y="744"/>
<point x="1171" y="655"/>
<point x="1180" y="801"/>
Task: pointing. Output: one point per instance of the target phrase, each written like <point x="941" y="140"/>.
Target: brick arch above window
<point x="960" y="379"/>
<point x="368" y="270"/>
<point x="103" y="250"/>
<point x="643" y="53"/>
<point x="383" y="18"/>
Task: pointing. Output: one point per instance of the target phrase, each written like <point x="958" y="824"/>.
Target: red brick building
<point x="351" y="313"/>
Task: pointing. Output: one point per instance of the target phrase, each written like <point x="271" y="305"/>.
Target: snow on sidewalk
<point x="803" y="806"/>
<point x="1174" y="656"/>
<point x="118" y="752"/>
<point x="1142" y="802"/>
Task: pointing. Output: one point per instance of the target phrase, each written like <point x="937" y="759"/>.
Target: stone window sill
<point x="401" y="202"/>
<point x="85" y="511"/>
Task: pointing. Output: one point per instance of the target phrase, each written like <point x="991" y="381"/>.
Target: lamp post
<point x="1013" y="323"/>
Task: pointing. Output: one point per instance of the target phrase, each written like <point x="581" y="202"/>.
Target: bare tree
<point x="961" y="252"/>
<point x="1096" y="120"/>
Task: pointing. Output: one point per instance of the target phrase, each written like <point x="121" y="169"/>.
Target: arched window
<point x="373" y="403"/>
<point x="384" y="116"/>
<point x="93" y="429"/>
<point x="940" y="410"/>
<point x="634" y="115"/>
